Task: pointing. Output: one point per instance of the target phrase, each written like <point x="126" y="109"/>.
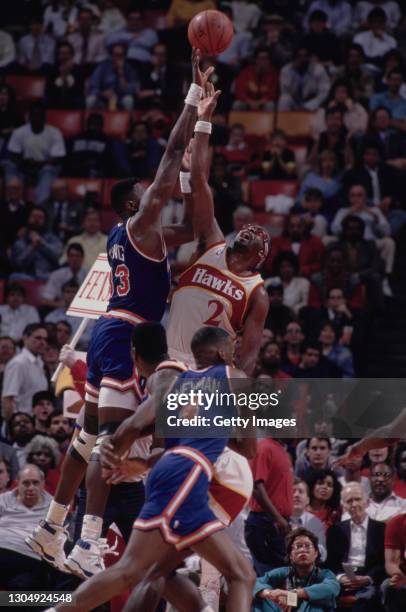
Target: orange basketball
<point x="211" y="32"/>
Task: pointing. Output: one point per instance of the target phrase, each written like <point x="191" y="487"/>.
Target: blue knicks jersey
<point x="140" y="284"/>
<point x="210" y="439"/>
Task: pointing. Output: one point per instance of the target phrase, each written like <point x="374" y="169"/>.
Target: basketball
<point x="211" y="32"/>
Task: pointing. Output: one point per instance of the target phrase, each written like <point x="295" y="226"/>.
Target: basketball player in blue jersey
<point x="140" y="286"/>
<point x="176" y="514"/>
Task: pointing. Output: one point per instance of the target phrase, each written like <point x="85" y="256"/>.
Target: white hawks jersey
<point x="208" y="294"/>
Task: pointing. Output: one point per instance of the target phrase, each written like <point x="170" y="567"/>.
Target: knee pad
<point x="83" y="444"/>
<point x="106" y="431"/>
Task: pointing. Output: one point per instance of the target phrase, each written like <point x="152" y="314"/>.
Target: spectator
<point x="298" y="240"/>
<point x="43" y="452"/>
<point x="4" y="475"/>
<point x="310" y="208"/>
<point x="21" y="431"/>
<point x="246" y="15"/>
<point x="91" y="239"/>
<point x="325" y="492"/>
<point x="355" y="117"/>
<point x="336" y="311"/>
<point x="323" y="45"/>
<point x="9" y="456"/>
<point x="292" y="347"/>
<point x="227" y="192"/>
<point x="138" y="39"/>
<point x="295" y="288"/>
<point x="279" y="316"/>
<point x="363" y="8"/>
<point x="88" y="44"/>
<point x="271" y="361"/>
<point x="7" y="50"/>
<point x="69" y="290"/>
<point x="7" y="352"/>
<point x="325" y="178"/>
<point x="301" y="517"/>
<point x="316" y="589"/>
<point x="393" y="61"/>
<point x="51" y="358"/>
<point x="144" y="151"/>
<point x="394" y="588"/>
<point x="55" y="19"/>
<point x="383" y="503"/>
<point x="182" y="11"/>
<point x="334" y="139"/>
<point x="161" y="84"/>
<point x="382" y="130"/>
<point x="60" y="429"/>
<point x="14" y="212"/>
<point x="10" y="118"/>
<point x="36" y="151"/>
<point x="43" y="403"/>
<point x="237" y="151"/>
<point x="114" y="83"/>
<point x="242" y="215"/>
<point x="375" y="42"/>
<point x="24" y="374"/>
<point x="391" y="99"/>
<point x="90" y="153"/>
<point x="339" y="14"/>
<point x="356" y="74"/>
<point x="278" y="161"/>
<point x="65" y="85"/>
<point x="63" y="333"/>
<point x="35" y="254"/>
<point x="352" y="474"/>
<point x="15" y="314"/>
<point x="256" y="85"/>
<point x="312" y="364"/>
<point x="36" y="50"/>
<point x="63" y="213"/>
<point x="241" y="45"/>
<point x="399" y="487"/>
<point x="20" y="511"/>
<point x="276" y="34"/>
<point x="271" y="505"/>
<point x="340" y="355"/>
<point x="72" y="271"/>
<point x="317" y="457"/>
<point x="358" y="542"/>
<point x="304" y="84"/>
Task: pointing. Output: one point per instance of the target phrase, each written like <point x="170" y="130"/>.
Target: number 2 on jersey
<point x="123" y="274"/>
<point x="218" y="310"/>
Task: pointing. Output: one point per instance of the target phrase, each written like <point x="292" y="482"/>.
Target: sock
<point x="207" y="609"/>
<point x="92" y="527"/>
<point x="57" y="513"/>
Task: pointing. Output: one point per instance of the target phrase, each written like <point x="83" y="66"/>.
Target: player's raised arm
<point x="205" y="225"/>
<point x="252" y="333"/>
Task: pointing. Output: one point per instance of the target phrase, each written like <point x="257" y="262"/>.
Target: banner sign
<point x="92" y="298"/>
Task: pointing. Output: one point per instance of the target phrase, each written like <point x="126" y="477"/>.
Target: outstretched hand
<point x="352" y="452"/>
<point x="199" y="77"/>
<point x="208" y="102"/>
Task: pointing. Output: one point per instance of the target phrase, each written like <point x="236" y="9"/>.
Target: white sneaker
<point x="86" y="558"/>
<point x="48" y="541"/>
<point x="386" y="288"/>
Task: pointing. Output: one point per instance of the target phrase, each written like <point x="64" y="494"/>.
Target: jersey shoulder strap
<point x="172" y="364"/>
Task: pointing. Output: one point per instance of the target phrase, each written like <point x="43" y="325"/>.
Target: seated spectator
<point x="88" y="44"/>
<point x="20" y="512"/>
<point x="24" y="374"/>
<point x="69" y="290"/>
<point x="315" y="588"/>
<point x="383" y="503"/>
<point x="340" y="355"/>
<point x="63" y="333"/>
<point x="15" y="314"/>
<point x="7" y="50"/>
<point x="237" y="151"/>
<point x="279" y="316"/>
<point x="256" y="85"/>
<point x="43" y="403"/>
<point x="393" y="61"/>
<point x="313" y="364"/>
<point x="356" y="74"/>
<point x="382" y="130"/>
<point x="114" y="82"/>
<point x="242" y="215"/>
<point x="36" y="50"/>
<point x="161" y="83"/>
<point x="10" y="118"/>
<point x="111" y="19"/>
<point x="7" y="352"/>
<point x="316" y="457"/>
<point x="323" y="45"/>
<point x="352" y="474"/>
<point x="375" y="42"/>
<point x="310" y="207"/>
<point x="325" y="178"/>
<point x="325" y="491"/>
<point x="278" y="161"/>
<point x="144" y="151"/>
<point x="295" y="288"/>
<point x="65" y="86"/>
<point x="339" y="14"/>
<point x="375" y="456"/>
<point x="5" y="478"/>
<point x="63" y="213"/>
<point x="9" y="455"/>
<point x="298" y="240"/>
<point x="54" y="19"/>
<point x="35" y="253"/>
<point x="246" y="15"/>
<point x="60" y="429"/>
<point x="357" y="541"/>
<point x="355" y="117"/>
<point x="72" y="271"/>
<point x="334" y="139"/>
<point x="301" y="517"/>
<point x="304" y="84"/>
<point x="36" y="151"/>
<point x="394" y="588"/>
<point x="241" y="45"/>
<point x="138" y="39"/>
<point x="363" y="8"/>
<point x="391" y="99"/>
<point x="51" y="358"/>
<point x="338" y="314"/>
<point x="14" y="211"/>
<point x="182" y="11"/>
<point x="90" y="153"/>
<point x="92" y="240"/>
<point x="20" y="432"/>
<point x="227" y="192"/>
<point x="292" y="343"/>
<point x="43" y="452"/>
<point x="271" y="361"/>
<point x="275" y="33"/>
<point x="399" y="487"/>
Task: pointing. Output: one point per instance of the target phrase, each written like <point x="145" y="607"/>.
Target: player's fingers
<point x="208" y="72"/>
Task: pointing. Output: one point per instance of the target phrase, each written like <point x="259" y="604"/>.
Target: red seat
<point x="116" y="123"/>
<point x="27" y="87"/>
<point x="33" y="291"/>
<point x="261" y="189"/>
<point x="79" y="187"/>
<point x="70" y="122"/>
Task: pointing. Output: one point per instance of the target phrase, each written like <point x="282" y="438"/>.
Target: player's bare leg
<point x="48" y="539"/>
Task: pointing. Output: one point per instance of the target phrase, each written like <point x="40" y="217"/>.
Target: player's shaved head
<point x="149" y="342"/>
<point x="125" y="197"/>
<point x="211" y="346"/>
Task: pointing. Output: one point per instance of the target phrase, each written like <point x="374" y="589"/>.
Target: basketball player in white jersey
<point x="221" y="287"/>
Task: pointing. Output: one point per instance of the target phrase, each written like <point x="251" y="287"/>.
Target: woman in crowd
<point x="315" y="588"/>
<point x="325" y="493"/>
<point x="325" y="179"/>
<point x="295" y="287"/>
<point x="43" y="452"/>
<point x="340" y="355"/>
<point x="354" y="114"/>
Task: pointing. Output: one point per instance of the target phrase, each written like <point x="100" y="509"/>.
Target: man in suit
<point x="359" y="542"/>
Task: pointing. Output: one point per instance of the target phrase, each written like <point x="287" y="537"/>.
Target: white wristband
<point x="193" y="95"/>
<point x="203" y="126"/>
<point x="184" y="179"/>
